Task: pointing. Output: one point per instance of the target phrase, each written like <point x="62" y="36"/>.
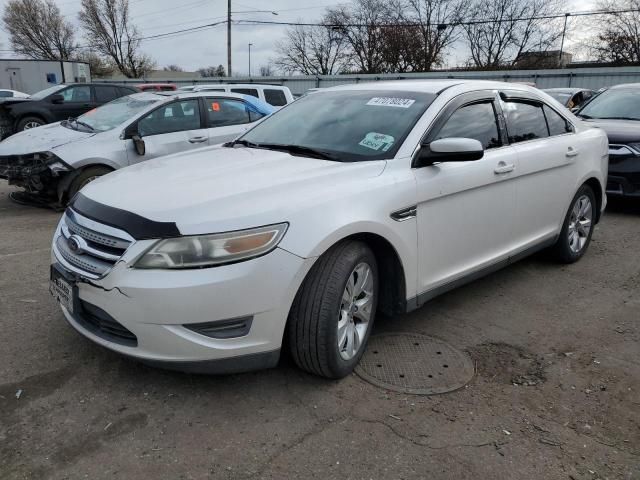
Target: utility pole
<point x="229" y="38"/>
<point x="564" y="32"/>
<point x="250" y="59"/>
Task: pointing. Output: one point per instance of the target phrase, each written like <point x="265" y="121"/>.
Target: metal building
<point x="31" y="76"/>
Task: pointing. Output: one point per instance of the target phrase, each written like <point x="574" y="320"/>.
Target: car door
<point x="227" y="118"/>
<point x="174" y="127"/>
<point x="465" y="210"/>
<point x="545" y="165"/>
<point x="76" y="100"/>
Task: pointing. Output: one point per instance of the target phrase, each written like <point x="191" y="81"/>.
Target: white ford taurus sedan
<point x="354" y="200"/>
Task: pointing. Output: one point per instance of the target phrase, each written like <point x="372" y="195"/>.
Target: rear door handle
<point x="572" y="152"/>
<point x="503" y="168"/>
<point x="198" y="139"/>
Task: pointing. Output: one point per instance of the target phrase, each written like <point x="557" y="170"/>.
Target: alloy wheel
<point x="30" y="125"/>
<point x="580" y="223"/>
<point x="355" y="310"/>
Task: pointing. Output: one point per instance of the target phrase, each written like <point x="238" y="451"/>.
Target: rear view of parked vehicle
<point x="572" y="98"/>
<point x="353" y="200"/>
<point x="55" y="104"/>
<point x="156" y="87"/>
<point x="274" y="95"/>
<point x="617" y="112"/>
<point x="56" y="161"/>
<point x="11" y="94"/>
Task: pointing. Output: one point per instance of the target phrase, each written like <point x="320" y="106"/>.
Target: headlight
<point x="202" y="251"/>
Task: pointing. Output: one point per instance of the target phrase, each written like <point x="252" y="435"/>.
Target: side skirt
<point x="424" y="297"/>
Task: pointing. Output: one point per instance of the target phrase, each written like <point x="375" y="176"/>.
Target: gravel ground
<point x="556" y="394"/>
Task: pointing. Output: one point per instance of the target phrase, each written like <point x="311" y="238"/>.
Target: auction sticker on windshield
<point x="377" y="141"/>
<point x="391" y="102"/>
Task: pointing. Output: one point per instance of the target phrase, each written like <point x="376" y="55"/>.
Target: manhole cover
<point x="413" y="363"/>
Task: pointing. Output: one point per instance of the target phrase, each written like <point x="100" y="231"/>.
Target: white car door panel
<point x="465" y="209"/>
<point x="546" y="168"/>
<point x="172" y="128"/>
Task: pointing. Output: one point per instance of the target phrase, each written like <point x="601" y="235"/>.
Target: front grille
<point x="87" y="247"/>
<point x="101" y="324"/>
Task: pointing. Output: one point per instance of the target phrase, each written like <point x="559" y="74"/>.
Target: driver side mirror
<point x="57" y="99"/>
<point x="138" y="144"/>
<point x="450" y="150"/>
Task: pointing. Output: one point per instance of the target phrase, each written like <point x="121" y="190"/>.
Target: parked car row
<point x="352" y="200"/>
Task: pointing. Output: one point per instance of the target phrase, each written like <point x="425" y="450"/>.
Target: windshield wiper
<point x="582" y="115"/>
<point x="245" y="143"/>
<point x="80" y="122"/>
<point x="298" y="149"/>
<point x="618" y="118"/>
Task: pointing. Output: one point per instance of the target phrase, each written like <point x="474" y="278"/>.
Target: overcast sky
<point x="208" y="47"/>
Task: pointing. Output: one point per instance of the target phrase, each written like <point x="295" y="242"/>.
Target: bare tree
<point x="38" y="30"/>
<point x="109" y="31"/>
<point x="360" y="25"/>
<point x="266" y="71"/>
<point x="173" y="68"/>
<point x="434" y="20"/>
<point x="511" y="28"/>
<point x="618" y="40"/>
<point x="212" y="71"/>
<point x="314" y="50"/>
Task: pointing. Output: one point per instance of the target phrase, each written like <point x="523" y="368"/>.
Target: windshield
<point x="114" y="113"/>
<point x="614" y="104"/>
<point x="349" y="125"/>
<point x="47" y="91"/>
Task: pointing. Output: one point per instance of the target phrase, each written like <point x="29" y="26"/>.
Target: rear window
<point x="246" y="91"/>
<point x="277" y="98"/>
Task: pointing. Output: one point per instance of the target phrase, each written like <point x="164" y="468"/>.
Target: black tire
<point x="313" y="320"/>
<point x="86" y="176"/>
<point x="24" y="122"/>
<point x="562" y="250"/>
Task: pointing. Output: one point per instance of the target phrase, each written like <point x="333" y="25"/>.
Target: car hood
<point x="618" y="131"/>
<point x="218" y="189"/>
<point x="42" y="139"/>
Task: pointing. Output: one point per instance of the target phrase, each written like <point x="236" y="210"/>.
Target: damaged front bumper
<point x="35" y="172"/>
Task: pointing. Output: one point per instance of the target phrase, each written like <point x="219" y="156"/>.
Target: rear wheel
<point x="85" y="177"/>
<point x="332" y="315"/>
<point x="577" y="228"/>
<point x="27" y="123"/>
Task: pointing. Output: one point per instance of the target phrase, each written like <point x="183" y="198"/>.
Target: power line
<point x="449" y="24"/>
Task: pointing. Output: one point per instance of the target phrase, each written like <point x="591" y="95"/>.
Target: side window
<point x="106" y="94"/>
<point x="477" y="121"/>
<point x="525" y="121"/>
<point x="77" y="94"/>
<point x="123" y="91"/>
<point x="557" y="124"/>
<point x="5" y="93"/>
<point x="222" y="112"/>
<point x="274" y="97"/>
<point x="246" y="91"/>
<point x="173" y="117"/>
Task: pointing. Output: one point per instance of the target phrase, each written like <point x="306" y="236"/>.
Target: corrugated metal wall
<point x="593" y="78"/>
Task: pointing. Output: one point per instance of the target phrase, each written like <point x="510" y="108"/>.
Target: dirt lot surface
<point x="556" y="394"/>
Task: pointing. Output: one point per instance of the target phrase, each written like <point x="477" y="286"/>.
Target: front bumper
<point x="624" y="175"/>
<point x="158" y="306"/>
<point x="33" y="175"/>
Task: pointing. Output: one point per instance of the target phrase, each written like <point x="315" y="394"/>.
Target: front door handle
<point x="503" y="168"/>
<point x="572" y="152"/>
<point x="198" y="139"/>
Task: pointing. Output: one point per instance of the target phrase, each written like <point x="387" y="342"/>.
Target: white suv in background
<point x="355" y="199"/>
<point x="274" y="95"/>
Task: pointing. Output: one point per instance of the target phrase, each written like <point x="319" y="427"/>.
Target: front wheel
<point x="87" y="176"/>
<point x="28" y="123"/>
<point x="332" y="315"/>
<point x="577" y="228"/>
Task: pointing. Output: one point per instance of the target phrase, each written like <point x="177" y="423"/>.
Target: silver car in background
<point x="55" y="161"/>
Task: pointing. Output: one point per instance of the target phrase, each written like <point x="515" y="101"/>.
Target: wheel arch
<point x="596" y="186"/>
<point x="67" y="180"/>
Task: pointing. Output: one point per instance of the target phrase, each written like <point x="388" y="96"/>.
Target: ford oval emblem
<point x="75" y="244"/>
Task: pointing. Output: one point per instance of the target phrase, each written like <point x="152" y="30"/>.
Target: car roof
<point x="238" y="85"/>
<point x="154" y="85"/>
<point x="626" y="85"/>
<point x="432" y="86"/>
<point x="565" y="90"/>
